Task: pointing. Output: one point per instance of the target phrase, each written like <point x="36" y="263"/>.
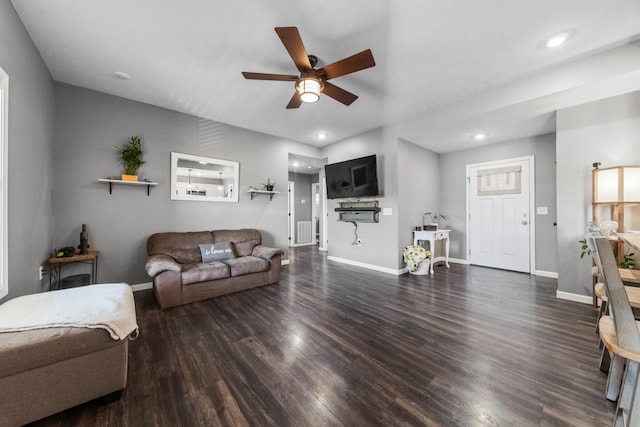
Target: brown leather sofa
<point x="180" y="276"/>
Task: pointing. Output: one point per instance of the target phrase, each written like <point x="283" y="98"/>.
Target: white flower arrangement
<point x="413" y="255"/>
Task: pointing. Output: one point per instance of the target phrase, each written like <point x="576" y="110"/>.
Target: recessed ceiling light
<point x="322" y="135"/>
<point x="296" y="164"/>
<point x="557" y="40"/>
<point x="479" y="136"/>
<point x="121" y="75"/>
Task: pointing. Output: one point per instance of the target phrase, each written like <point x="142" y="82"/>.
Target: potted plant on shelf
<point x="269" y="185"/>
<point x="131" y="155"/>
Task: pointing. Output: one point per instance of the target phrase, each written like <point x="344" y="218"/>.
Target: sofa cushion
<point x="158" y="263"/>
<point x="216" y="251"/>
<point x="203" y="272"/>
<point x="246" y="265"/>
<point x="185" y="256"/>
<point x="183" y="247"/>
<point x="266" y="252"/>
<point x="243" y="240"/>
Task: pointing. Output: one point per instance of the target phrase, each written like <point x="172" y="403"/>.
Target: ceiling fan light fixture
<point x="309" y="89"/>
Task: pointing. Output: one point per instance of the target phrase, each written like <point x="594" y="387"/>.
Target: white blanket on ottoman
<point x="108" y="306"/>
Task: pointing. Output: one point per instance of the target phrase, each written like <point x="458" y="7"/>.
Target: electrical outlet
<point x="41" y="272"/>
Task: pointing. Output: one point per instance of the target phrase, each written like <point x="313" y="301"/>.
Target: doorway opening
<point x="307" y="202"/>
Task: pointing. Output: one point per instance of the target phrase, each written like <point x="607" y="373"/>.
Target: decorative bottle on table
<point x="84" y="240"/>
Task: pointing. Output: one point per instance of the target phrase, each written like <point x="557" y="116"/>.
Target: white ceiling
<point x="188" y="55"/>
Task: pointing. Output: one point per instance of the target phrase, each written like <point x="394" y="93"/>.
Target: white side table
<point x="431" y="237"/>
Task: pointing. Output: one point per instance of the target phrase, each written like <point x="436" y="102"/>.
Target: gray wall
<point x="418" y="189"/>
<point x="78" y="146"/>
<point x="88" y="126"/>
<point x="380" y="240"/>
<point x="453" y="192"/>
<point x="606" y="131"/>
<point x="31" y="122"/>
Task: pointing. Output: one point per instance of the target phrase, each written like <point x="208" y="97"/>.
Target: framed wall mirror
<point x="204" y="179"/>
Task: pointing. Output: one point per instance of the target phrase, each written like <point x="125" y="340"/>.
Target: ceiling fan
<point x="311" y="82"/>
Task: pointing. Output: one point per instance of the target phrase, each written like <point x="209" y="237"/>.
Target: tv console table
<point x="432" y="237"/>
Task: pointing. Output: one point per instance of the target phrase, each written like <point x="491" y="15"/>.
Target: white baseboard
<point x="142" y="286"/>
<point x="369" y="266"/>
<point x="551" y="274"/>
<point x="389" y="270"/>
<point x="455" y="260"/>
<point x="585" y="299"/>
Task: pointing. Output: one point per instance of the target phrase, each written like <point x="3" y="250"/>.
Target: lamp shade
<point x="309" y="89"/>
<point x="631" y="178"/>
<point x="619" y="184"/>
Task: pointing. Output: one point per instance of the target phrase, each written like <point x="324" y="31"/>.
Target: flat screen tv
<point x="352" y="178"/>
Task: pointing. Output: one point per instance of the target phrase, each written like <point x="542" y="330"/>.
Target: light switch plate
<point x="386" y="211"/>
<point x="542" y="210"/>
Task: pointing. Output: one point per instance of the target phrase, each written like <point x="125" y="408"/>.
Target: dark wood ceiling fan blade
<point x="292" y="41"/>
<point x="339" y="94"/>
<point x="357" y="62"/>
<point x="295" y="102"/>
<point x="265" y="76"/>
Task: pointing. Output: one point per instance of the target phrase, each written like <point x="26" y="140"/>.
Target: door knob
<point x="524" y="222"/>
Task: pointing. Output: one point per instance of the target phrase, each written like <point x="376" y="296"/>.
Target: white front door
<point x="500" y="227"/>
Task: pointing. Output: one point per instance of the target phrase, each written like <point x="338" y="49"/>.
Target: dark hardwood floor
<point x="335" y="345"/>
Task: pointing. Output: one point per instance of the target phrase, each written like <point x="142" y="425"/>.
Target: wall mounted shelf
<point x="148" y="184"/>
<point x="254" y="192"/>
<point x="358" y="211"/>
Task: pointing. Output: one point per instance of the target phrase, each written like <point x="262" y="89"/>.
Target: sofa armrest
<point x="266" y="252"/>
<point x="158" y="263"/>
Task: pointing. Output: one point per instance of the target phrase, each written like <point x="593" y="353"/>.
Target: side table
<point x="56" y="264"/>
<point x="431" y="237"/>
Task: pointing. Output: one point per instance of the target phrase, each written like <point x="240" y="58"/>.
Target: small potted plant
<point x="269" y="185"/>
<point x="131" y="156"/>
